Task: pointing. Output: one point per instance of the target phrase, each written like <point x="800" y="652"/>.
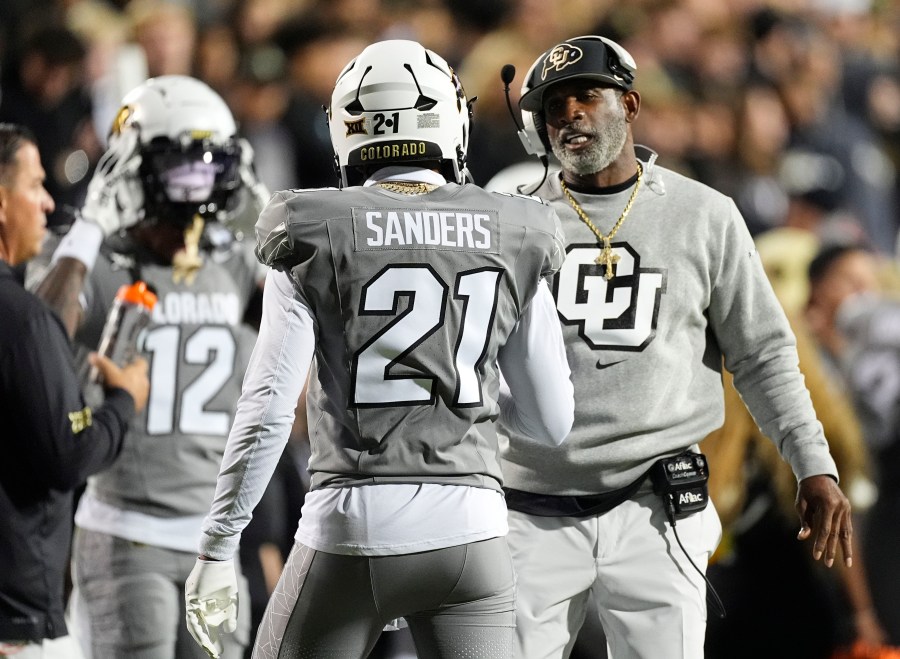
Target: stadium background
<point x="790" y="107"/>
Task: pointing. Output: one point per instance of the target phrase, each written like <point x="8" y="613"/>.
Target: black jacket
<point x="49" y="444"/>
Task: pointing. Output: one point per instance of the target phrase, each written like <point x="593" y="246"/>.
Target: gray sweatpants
<point x="458" y="602"/>
<point x="131" y="597"/>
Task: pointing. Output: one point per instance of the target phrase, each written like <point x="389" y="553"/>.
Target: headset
<point x="589" y="56"/>
<point x="527" y="133"/>
<point x="579" y="57"/>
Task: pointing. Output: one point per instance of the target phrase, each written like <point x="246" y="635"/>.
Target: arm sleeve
<point x="265" y="413"/>
<point x="760" y="350"/>
<point x="67" y="441"/>
<point x="536" y="392"/>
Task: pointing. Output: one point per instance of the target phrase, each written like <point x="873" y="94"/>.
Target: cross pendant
<point x="607" y="258"/>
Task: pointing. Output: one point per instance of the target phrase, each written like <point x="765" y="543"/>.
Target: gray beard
<point x="604" y="149"/>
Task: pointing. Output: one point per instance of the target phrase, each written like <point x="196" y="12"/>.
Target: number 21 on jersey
<point x="377" y="380"/>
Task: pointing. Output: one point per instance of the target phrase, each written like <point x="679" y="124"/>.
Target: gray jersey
<point x="197" y="348"/>
<point x="646" y="348"/>
<point x="412" y="301"/>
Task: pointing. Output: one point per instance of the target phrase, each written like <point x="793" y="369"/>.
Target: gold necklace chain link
<point x="606" y="257"/>
<point x="407" y="187"/>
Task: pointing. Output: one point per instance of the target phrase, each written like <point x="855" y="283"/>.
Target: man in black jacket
<point x="50" y="440"/>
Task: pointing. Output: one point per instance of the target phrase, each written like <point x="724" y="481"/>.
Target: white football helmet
<point x="398" y="103"/>
<point x="190" y="154"/>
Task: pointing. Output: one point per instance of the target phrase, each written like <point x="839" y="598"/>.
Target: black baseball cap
<point x="592" y="57"/>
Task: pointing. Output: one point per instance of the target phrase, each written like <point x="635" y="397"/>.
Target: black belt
<point x="552" y="505"/>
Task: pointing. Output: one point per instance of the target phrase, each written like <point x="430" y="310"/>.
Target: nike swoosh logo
<point x="600" y="366"/>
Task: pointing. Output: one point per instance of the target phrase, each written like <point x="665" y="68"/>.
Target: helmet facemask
<point x="190" y="176"/>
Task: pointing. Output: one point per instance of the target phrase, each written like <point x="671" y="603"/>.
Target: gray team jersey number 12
<point x="176" y="404"/>
<point x="377" y="380"/>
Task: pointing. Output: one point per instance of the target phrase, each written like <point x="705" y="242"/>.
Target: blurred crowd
<point x="766" y="101"/>
<point x="791" y="107"/>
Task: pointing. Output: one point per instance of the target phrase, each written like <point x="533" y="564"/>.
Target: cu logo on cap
<point x="560" y="57"/>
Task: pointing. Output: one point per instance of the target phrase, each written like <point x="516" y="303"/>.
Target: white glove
<point x="115" y="197"/>
<point x="211" y="600"/>
<point x="259" y="193"/>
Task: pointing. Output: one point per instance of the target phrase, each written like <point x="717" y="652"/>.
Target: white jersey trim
<point x="399" y="518"/>
<point x="178" y="533"/>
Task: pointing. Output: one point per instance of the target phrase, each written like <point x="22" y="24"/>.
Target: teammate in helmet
<point x="160" y="208"/>
<point x="425" y="123"/>
<point x="660" y="284"/>
<point x="401" y="297"/>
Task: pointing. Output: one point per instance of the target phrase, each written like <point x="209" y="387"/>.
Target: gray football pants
<point x="458" y="602"/>
<point x="131" y="600"/>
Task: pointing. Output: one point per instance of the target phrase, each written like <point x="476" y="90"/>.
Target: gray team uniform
<point x="646" y="350"/>
<point x="411" y="304"/>
<point x="486" y="251"/>
<point x="139" y="521"/>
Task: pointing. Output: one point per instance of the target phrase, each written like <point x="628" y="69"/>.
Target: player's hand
<point x="259" y="193"/>
<point x="825" y="517"/>
<point x="115" y="197"/>
<point x="132" y="377"/>
<point x="210" y="597"/>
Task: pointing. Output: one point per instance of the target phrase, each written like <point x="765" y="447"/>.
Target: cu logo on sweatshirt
<point x="615" y="314"/>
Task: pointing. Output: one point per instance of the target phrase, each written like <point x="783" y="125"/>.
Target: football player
<point x="402" y="296"/>
<point x="159" y="209"/>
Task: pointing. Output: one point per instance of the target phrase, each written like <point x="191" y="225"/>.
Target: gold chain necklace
<point x="406" y="187"/>
<point x="606" y="257"/>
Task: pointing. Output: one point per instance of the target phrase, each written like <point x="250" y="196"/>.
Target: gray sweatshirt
<point x="646" y="348"/>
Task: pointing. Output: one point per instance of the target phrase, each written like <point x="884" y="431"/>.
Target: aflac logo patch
<point x="560" y="57"/>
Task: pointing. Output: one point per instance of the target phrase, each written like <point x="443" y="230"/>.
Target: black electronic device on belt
<point x="681" y="481"/>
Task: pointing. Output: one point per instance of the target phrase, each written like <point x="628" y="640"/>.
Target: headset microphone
<point x="507" y="73"/>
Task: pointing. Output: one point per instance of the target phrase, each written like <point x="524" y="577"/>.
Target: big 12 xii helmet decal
<point x="398" y="103"/>
<point x="190" y="154"/>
